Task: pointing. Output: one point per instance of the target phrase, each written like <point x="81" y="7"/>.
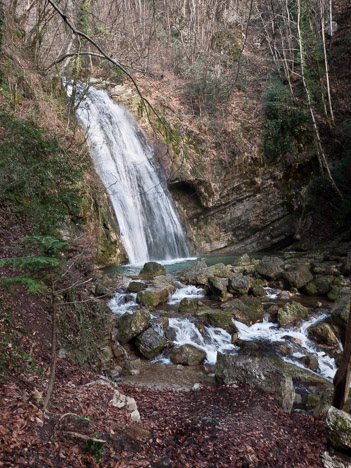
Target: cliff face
<point x="256" y="216"/>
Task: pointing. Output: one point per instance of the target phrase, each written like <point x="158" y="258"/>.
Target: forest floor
<point x="220" y="427"/>
<point x="210" y="427"/>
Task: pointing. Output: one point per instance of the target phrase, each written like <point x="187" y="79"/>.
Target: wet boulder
<point x="310" y="361"/>
<point x="218" y="287"/>
<point x="290" y="312"/>
<point x="338" y="291"/>
<point x="219" y="319"/>
<point x="187" y="305"/>
<point x="247" y="310"/>
<point x="259" y="372"/>
<point x="188" y="355"/>
<point x="320" y="286"/>
<point x="323" y="333"/>
<point x="220" y="270"/>
<point x="131" y="325"/>
<point x="153" y="296"/>
<point x="136" y="286"/>
<point x="340" y="314"/>
<point x="338" y="425"/>
<point x="347" y="265"/>
<point x="165" y="281"/>
<point x="257" y="288"/>
<point x="197" y="274"/>
<point x="150" y="343"/>
<point x="270" y="267"/>
<point x="151" y="269"/>
<point x="297" y="276"/>
<point x="239" y="284"/>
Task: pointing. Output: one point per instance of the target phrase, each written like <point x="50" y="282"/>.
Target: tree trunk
<point x="343" y="374"/>
<point x="53" y="343"/>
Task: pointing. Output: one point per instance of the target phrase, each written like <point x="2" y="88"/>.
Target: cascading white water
<point x="214" y="340"/>
<point x="148" y="222"/>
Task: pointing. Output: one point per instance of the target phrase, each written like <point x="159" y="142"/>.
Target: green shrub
<point x="324" y="200"/>
<point x="36" y="176"/>
<point x="287" y="123"/>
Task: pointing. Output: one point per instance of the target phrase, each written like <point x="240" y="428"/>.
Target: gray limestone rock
<point x="259" y="372"/>
<point x="188" y="355"/>
<point x="338" y="425"/>
<point x="131" y="325"/>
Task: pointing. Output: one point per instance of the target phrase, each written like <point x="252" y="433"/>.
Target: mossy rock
<point x="218" y="287"/>
<point x="239" y="284"/>
<point x="188" y="355"/>
<point x="257" y="288"/>
<point x="340" y="314"/>
<point x="298" y="276"/>
<point x="291" y="311"/>
<point x="323" y="333"/>
<point x="220" y="270"/>
<point x="220" y="319"/>
<point x="187" y="304"/>
<point x="270" y="267"/>
<point x="131" y="325"/>
<point x="150" y="343"/>
<point x="152" y="269"/>
<point x="136" y="286"/>
<point x="152" y="297"/>
<point x="247" y="310"/>
<point x="197" y="274"/>
<point x="338" y="425"/>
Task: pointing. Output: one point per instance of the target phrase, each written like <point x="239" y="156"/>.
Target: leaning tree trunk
<point x="343" y="374"/>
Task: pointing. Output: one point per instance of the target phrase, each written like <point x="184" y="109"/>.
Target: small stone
<point x="196" y="387"/>
<point x="39" y="421"/>
<point x="135" y="416"/>
<point x="134" y="372"/>
<point x="131" y="404"/>
<point x="116" y="372"/>
<point x="118" y="400"/>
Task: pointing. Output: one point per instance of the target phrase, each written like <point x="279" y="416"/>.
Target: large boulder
<point x="247" y="310"/>
<point x="188" y="355"/>
<point x="257" y="288"/>
<point x="323" y="333"/>
<point x="239" y="284"/>
<point x="218" y="287"/>
<point x="320" y="286"/>
<point x="270" y="267"/>
<point x="340" y="314"/>
<point x="152" y="269"/>
<point x="219" y="318"/>
<point x="156" y="294"/>
<point x="131" y="325"/>
<point x="150" y="343"/>
<point x="339" y="429"/>
<point x="297" y="276"/>
<point x="197" y="274"/>
<point x="259" y="372"/>
<point x="291" y="311"/>
<point x="220" y="270"/>
<point x="187" y="305"/>
<point x="136" y="286"/>
<point x="165" y="281"/>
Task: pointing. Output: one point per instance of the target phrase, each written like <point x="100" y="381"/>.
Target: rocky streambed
<point x="277" y="323"/>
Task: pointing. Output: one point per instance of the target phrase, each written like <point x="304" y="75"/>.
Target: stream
<point x="270" y="338"/>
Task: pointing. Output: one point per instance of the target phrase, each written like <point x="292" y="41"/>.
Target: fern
<point x="33" y="286"/>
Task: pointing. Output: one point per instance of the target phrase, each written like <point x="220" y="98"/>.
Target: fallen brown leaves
<point x="220" y="427"/>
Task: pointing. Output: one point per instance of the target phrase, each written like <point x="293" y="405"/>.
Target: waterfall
<point x="148" y="222"/>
